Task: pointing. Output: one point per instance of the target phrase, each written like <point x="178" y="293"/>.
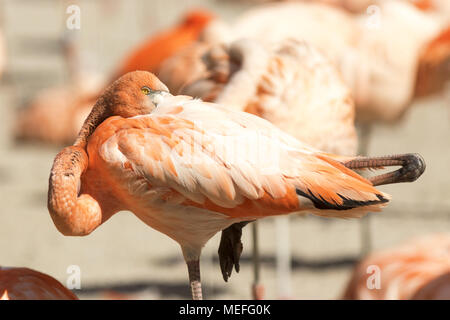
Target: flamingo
<point x="56" y="114"/>
<point x="28" y="284"/>
<point x="382" y="66"/>
<point x="417" y="269"/>
<point x="377" y="61"/>
<point x="358" y="6"/>
<point x="151" y="53"/>
<point x="171" y="160"/>
<point x="296" y="88"/>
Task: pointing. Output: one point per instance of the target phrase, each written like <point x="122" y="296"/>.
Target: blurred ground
<point x="126" y="256"/>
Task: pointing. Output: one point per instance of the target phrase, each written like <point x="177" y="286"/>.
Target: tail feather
<point x="336" y="191"/>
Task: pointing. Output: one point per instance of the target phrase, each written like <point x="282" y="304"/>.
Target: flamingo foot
<point x="230" y="249"/>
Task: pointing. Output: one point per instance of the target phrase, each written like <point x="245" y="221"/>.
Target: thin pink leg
<point x="194" y="279"/>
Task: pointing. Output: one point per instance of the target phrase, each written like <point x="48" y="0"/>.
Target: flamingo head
<point x="135" y="93"/>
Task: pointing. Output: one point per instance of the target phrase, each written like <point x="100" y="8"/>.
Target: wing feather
<point x="189" y="153"/>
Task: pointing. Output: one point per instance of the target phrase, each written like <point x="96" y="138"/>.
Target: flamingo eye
<point x="146" y="90"/>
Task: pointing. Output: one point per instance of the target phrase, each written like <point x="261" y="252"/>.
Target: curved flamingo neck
<point x="71" y="214"/>
<point x="99" y="113"/>
<point x="75" y="214"/>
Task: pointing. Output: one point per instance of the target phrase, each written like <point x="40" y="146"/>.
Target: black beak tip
<point x="415" y="166"/>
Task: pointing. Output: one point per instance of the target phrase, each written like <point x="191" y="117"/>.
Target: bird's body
<point x="189" y="190"/>
<point x="28" y="284"/>
<point x="418" y="269"/>
<point x="189" y="169"/>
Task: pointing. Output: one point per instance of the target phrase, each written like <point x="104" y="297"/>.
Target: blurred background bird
<point x="28" y="284"/>
<point x="417" y="269"/>
<point x="55" y="115"/>
<point x="376" y="59"/>
<point x="152" y="52"/>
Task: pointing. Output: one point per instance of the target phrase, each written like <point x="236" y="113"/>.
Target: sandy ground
<point x="126" y="256"/>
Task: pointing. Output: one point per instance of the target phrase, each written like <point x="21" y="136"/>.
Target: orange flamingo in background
<point x="56" y="115"/>
<point x="296" y="88"/>
<point x="152" y="52"/>
<point x="27" y="284"/>
<point x="171" y="161"/>
<point x="418" y="269"/>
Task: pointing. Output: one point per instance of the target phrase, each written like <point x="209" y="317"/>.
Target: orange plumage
<point x="149" y="55"/>
<point x="434" y="63"/>
<point x="27" y="284"/>
<point x="418" y="269"/>
<point x="171" y="161"/>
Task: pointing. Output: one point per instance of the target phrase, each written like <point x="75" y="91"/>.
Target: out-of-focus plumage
<point x="56" y="114"/>
<point x="418" y="269"/>
<point x="434" y="68"/>
<point x="377" y="54"/>
<point x="27" y="284"/>
<point x="184" y="67"/>
<point x="150" y="54"/>
<point x="291" y="84"/>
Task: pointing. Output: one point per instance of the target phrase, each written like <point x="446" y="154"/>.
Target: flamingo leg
<point x="366" y="235"/>
<point x="283" y="257"/>
<point x="194" y="279"/>
<point x="365" y="133"/>
<point x="257" y="288"/>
